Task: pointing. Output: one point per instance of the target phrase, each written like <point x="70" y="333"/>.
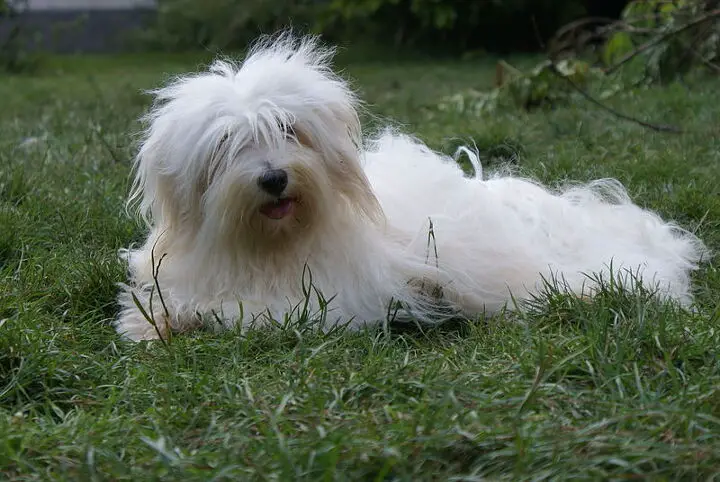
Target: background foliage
<point x="189" y="24"/>
<point x="14" y="56"/>
<point x="653" y="42"/>
<point x="665" y="39"/>
<point x="455" y="25"/>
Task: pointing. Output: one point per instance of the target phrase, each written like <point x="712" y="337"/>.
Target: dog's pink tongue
<point x="278" y="209"/>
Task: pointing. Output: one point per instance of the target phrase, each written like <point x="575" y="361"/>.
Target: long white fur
<point x="379" y="223"/>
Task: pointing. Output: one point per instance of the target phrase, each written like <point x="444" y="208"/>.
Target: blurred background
<point x="437" y="27"/>
<point x="519" y="53"/>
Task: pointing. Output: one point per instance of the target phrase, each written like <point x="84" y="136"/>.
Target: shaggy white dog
<point x="261" y="198"/>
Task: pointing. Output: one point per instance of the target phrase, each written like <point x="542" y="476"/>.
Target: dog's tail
<point x="473" y="157"/>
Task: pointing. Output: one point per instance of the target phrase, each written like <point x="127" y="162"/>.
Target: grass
<point x="620" y="388"/>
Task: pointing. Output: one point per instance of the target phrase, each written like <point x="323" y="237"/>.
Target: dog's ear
<point x="341" y="154"/>
<point x="352" y="179"/>
<point x="353" y="182"/>
<point x="154" y="194"/>
<point x="160" y="195"/>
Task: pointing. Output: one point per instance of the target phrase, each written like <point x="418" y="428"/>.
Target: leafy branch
<point x="662" y="38"/>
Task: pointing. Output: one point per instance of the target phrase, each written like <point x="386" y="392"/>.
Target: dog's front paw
<point x="141" y="319"/>
<point x="134" y="326"/>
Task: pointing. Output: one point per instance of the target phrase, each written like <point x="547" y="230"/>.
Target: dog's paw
<point x="133" y="326"/>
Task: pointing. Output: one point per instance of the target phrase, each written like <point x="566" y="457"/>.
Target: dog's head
<point x="264" y="150"/>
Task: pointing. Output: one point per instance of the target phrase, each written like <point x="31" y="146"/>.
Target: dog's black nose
<point x="273" y="181"/>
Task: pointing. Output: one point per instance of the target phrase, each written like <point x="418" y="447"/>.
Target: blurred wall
<point x="88" y="4"/>
<point x="74" y="26"/>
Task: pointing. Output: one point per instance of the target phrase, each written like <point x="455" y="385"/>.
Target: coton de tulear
<point x="260" y="195"/>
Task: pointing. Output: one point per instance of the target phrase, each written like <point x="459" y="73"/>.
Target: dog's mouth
<point x="279" y="209"/>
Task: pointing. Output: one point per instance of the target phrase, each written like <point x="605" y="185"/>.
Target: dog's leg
<point x="148" y="311"/>
<point x="137" y="320"/>
<point x="141" y="319"/>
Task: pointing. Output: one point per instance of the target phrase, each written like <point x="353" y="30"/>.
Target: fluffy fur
<point x="376" y="226"/>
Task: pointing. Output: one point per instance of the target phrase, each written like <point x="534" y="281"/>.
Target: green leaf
<point x="619" y="45"/>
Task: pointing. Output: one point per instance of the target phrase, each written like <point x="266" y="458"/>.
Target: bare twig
<point x="660" y="39"/>
<point x="710" y="65"/>
<point x="431" y="240"/>
<point x="536" y="31"/>
<point x="692" y="52"/>
<point x="149" y="314"/>
<point x="572" y="27"/>
<point x="148" y="318"/>
<point x="154" y="322"/>
<point x="649" y="125"/>
<point x="559" y="42"/>
<point x="156" y="272"/>
<point x="593" y="100"/>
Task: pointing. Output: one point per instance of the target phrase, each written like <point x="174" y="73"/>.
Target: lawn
<point x="623" y="387"/>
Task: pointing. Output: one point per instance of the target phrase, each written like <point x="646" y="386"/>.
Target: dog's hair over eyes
<point x="220" y="131"/>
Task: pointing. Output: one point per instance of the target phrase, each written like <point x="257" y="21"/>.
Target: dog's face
<point x="260" y="154"/>
<point x="283" y="184"/>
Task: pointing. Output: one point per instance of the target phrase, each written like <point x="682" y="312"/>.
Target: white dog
<point x="255" y="185"/>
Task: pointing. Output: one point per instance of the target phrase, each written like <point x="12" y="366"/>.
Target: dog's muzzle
<point x="273" y="181"/>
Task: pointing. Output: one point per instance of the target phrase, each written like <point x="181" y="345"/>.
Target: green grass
<point x="619" y="388"/>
